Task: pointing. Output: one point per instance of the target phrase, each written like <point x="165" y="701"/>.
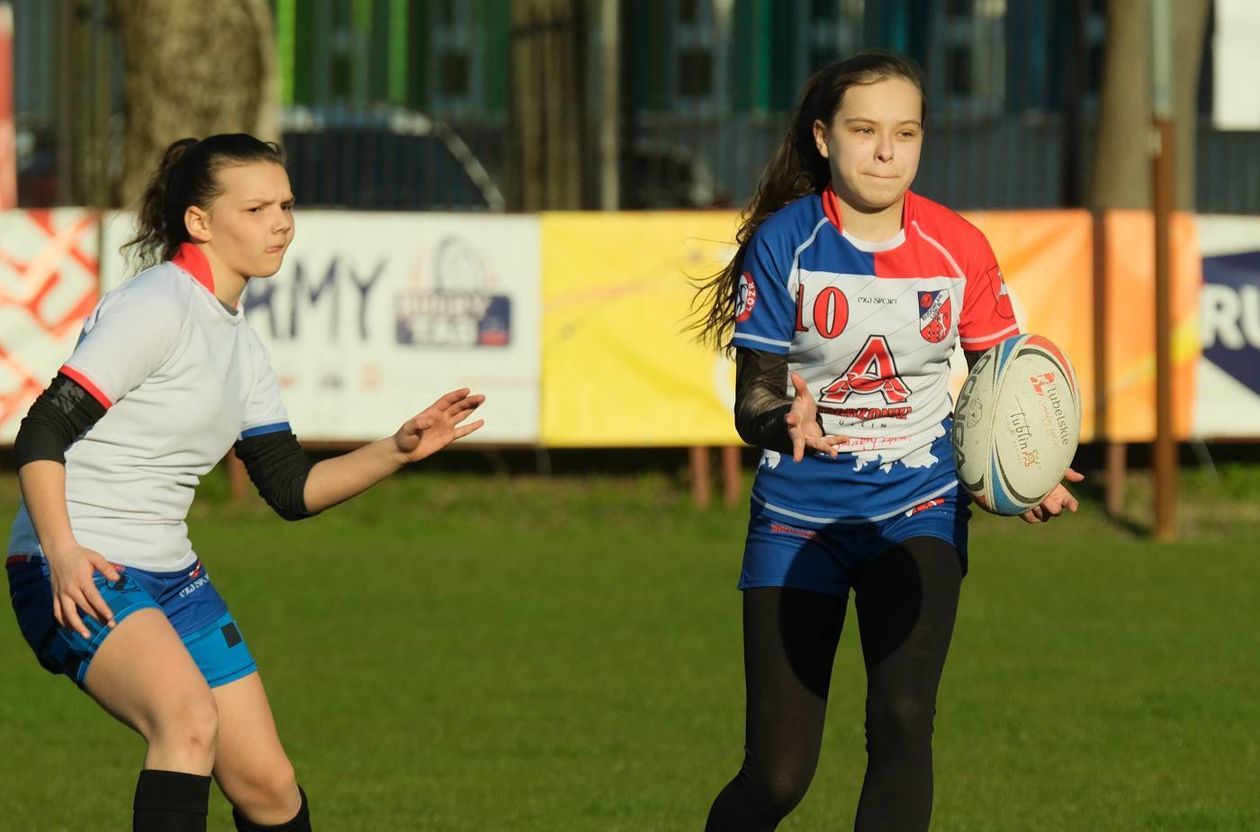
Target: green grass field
<point x="464" y="652"/>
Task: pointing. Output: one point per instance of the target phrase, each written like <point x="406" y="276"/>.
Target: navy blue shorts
<point x="828" y="558"/>
<point x="190" y="602"/>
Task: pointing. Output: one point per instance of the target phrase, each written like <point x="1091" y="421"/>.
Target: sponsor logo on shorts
<point x="194" y="586"/>
<point x="939" y="501"/>
<point x="780" y="528"/>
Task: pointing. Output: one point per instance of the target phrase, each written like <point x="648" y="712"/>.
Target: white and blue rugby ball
<point x="1017" y="424"/>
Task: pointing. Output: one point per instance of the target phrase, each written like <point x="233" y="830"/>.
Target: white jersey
<point x="182" y="378"/>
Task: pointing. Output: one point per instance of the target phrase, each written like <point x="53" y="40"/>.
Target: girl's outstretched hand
<point x="802" y="421"/>
<point x="438" y="425"/>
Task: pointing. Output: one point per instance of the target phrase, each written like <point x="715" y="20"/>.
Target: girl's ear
<point x="820" y="138"/>
<point x="197" y="221"/>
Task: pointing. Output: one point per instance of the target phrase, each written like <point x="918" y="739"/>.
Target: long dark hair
<point x="187" y="175"/>
<point x="796" y="170"/>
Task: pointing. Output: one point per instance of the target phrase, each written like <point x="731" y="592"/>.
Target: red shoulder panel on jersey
<point x="86" y="383"/>
<point x="190" y="259"/>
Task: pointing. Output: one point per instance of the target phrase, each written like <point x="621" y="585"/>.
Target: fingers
<point x="798" y="383"/>
<point x="793" y="421"/>
<point x="97" y="607"/>
<point x="450" y="398"/>
<point x="1074" y="476"/>
<point x="464" y="409"/>
<point x="464" y="430"/>
<point x="72" y="603"/>
<point x="70" y="614"/>
<point x="104" y="567"/>
<point x="829" y="445"/>
<point x="96" y="604"/>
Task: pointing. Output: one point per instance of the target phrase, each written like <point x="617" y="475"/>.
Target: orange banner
<point x="1130" y="336"/>
<point x="1047" y="260"/>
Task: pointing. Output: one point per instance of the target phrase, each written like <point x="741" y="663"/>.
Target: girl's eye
<point x="255" y="209"/>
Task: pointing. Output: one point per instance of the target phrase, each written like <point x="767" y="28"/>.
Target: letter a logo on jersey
<point x="934" y="315"/>
<point x="745" y="297"/>
<point x="873" y="371"/>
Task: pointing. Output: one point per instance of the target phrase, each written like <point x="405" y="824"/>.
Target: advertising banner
<point x="1227" y="403"/>
<point x="375" y="315"/>
<point x="48" y="285"/>
<point x="619" y="367"/>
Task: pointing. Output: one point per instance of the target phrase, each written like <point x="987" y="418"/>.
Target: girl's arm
<point x="297" y="489"/>
<point x="338" y="479"/>
<point x="60" y="414"/>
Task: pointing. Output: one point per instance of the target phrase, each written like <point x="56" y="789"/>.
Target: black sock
<point x="170" y="801"/>
<point x="301" y="822"/>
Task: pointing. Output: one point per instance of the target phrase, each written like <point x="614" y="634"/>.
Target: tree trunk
<point x="547" y="112"/>
<point x="192" y="68"/>
<point x="1122" y="155"/>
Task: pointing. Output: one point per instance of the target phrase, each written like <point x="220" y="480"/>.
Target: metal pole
<point x="1163" y="175"/>
<point x="65" y="106"/>
<point x="610" y="105"/>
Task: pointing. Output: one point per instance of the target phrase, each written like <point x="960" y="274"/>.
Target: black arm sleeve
<point x="60" y="415"/>
<point x="760" y="401"/>
<point x="278" y="467"/>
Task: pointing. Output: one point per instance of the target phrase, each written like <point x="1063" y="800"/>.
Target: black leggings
<point x="906" y="601"/>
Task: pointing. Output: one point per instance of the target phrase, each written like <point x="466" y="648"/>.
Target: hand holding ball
<point x="1017" y="424"/>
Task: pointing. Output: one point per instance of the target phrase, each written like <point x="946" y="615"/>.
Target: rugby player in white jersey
<point x="167" y="376"/>
<point x="847" y="297"/>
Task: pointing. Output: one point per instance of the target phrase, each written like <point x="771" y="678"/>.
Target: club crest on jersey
<point x="745" y="297"/>
<point x="934" y="315"/>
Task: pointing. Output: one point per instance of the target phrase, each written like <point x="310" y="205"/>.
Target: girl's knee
<point x="269" y="791"/>
<point x="188" y="722"/>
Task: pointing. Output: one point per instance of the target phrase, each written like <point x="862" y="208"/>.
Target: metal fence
<point x="705" y="90"/>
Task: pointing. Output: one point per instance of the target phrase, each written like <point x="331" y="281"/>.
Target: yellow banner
<point x="618" y="367"/>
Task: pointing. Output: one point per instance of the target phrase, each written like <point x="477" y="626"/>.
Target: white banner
<point x="47" y="287"/>
<point x="1236" y="66"/>
<point x="1227" y="401"/>
<point x="374" y="315"/>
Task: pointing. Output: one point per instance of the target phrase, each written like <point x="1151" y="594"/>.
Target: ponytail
<point x="187" y="175"/>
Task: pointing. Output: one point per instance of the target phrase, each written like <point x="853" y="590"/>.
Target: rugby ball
<point x="1017" y="424"/>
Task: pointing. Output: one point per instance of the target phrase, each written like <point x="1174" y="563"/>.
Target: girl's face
<point x="873" y="142"/>
<point x="250" y="224"/>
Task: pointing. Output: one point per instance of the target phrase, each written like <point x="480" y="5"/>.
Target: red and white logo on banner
<point x="48" y="285"/>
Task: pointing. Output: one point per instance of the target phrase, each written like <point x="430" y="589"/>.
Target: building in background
<point x="406" y="104"/>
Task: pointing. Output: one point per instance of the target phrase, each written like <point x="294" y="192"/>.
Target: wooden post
<point x="731" y="486"/>
<point x="1165" y="431"/>
<point x="701" y="486"/>
<point x="1163" y="174"/>
<point x="1114" y="452"/>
